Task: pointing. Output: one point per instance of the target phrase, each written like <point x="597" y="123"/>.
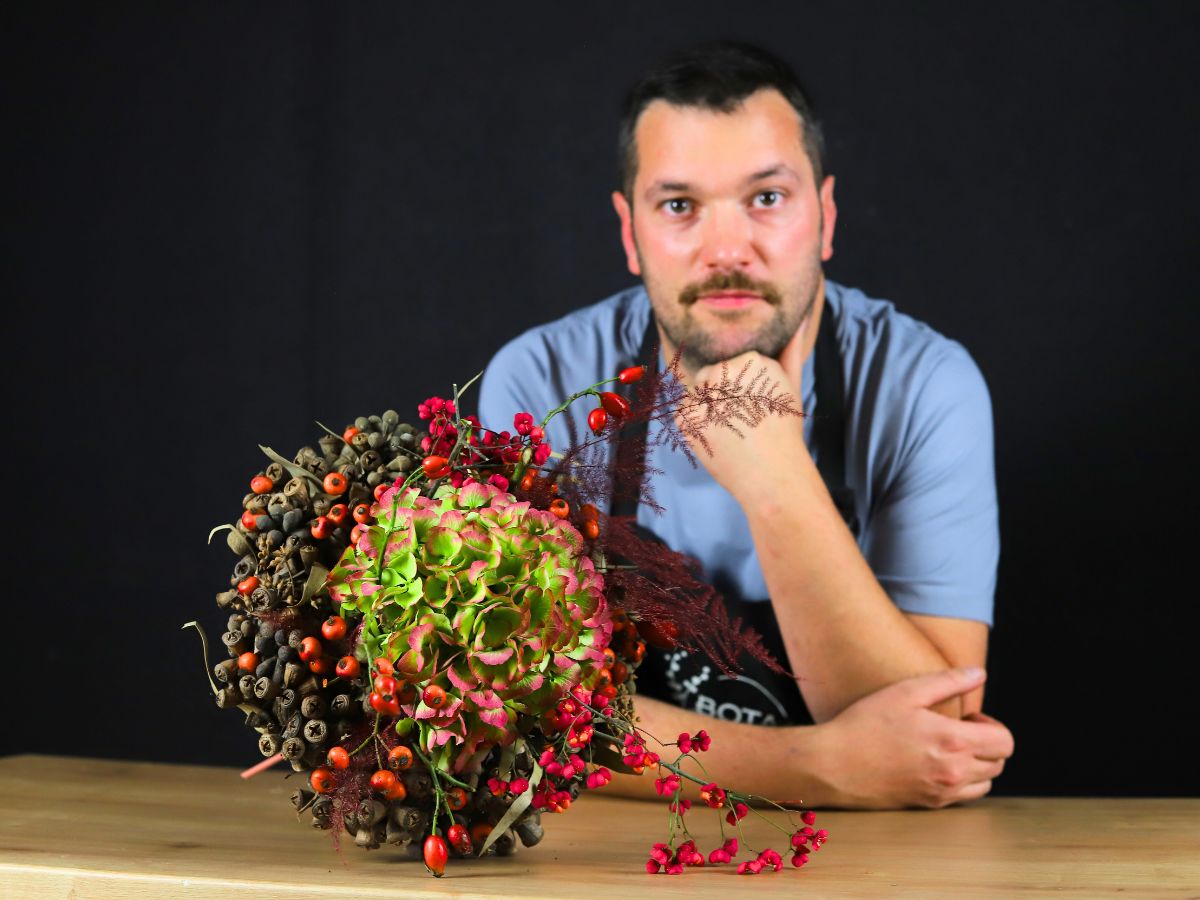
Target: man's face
<point x="727" y="229"/>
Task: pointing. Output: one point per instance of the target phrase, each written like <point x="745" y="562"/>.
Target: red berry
<point x="384" y="684"/>
<point x="335" y="483"/>
<point x="347" y="667"/>
<point x="614" y="404"/>
<point x="434" y="696"/>
<point x="435" y="466"/>
<point x="560" y="507"/>
<point x="321" y="780"/>
<point x="248" y="661"/>
<point x="591" y="529"/>
<point x="400" y="758"/>
<point x="362" y="513"/>
<point x="631" y="375"/>
<point x="320" y="666"/>
<point x="456" y="798"/>
<point x="396" y="792"/>
<point x="338" y="757"/>
<point x="527" y="481"/>
<point x="310" y="648"/>
<point x="436" y="854"/>
<point x="459" y="839"/>
<point x="383" y="781"/>
<point x="260" y="484"/>
<point x="384" y="705"/>
<point x="383" y="665"/>
<point x="248" y="584"/>
<point x="349" y="433"/>
<point x="597" y="419"/>
<point x="480" y="831"/>
<point x="337" y="513"/>
<point x="250" y="520"/>
<point x="320" y="527"/>
<point x="334" y="628"/>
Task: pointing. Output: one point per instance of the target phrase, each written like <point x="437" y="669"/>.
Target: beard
<point x="704" y="345"/>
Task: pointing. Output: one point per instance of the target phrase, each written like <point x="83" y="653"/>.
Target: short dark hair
<point x="717" y="76"/>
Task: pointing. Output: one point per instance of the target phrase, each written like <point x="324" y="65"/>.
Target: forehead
<point x="689" y="143"/>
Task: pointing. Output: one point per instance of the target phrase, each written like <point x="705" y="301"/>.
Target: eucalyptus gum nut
<point x="316" y="732"/>
<point x="404" y="428"/>
<point x="361" y="423"/>
<point x="359" y="493"/>
<point x="226" y="599"/>
<point x="309" y="555"/>
<point x="530" y="831"/>
<point x="264" y="669"/>
<point x="243" y="568"/>
<point x="341" y="728"/>
<point x="297" y="490"/>
<point x="276" y="472"/>
<point x="361" y="441"/>
<point x="264" y="523"/>
<point x="276" y="510"/>
<point x="247" y="628"/>
<point x="369" y="460"/>
<point x="252" y="501"/>
<point x="350" y="470"/>
<point x="406" y="463"/>
<point x="235" y="621"/>
<point x="390" y="418"/>
<point x="341" y="705"/>
<point x="394" y="444"/>
<point x="280" y="637"/>
<point x="407" y="438"/>
<point x="245" y="686"/>
<point x="373" y="478"/>
<point x="275" y="539"/>
<point x="292" y="520"/>
<point x="506" y="844"/>
<point x="330" y="445"/>
<point x="320" y="506"/>
<point x="375" y="420"/>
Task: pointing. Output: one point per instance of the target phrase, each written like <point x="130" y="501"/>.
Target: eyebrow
<point x="682" y="187"/>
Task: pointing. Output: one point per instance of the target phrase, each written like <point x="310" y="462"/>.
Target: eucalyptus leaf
<point x="214" y="531"/>
<point x="508" y="756"/>
<point x="204" y="651"/>
<point x="514" y="812"/>
<point x="291" y="467"/>
<point x="316" y="581"/>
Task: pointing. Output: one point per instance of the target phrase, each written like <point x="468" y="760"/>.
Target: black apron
<point x="758" y="696"/>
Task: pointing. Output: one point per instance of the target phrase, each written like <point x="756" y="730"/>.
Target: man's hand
<point x="890" y="750"/>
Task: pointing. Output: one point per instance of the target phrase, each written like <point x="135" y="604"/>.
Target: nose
<point x="727" y="238"/>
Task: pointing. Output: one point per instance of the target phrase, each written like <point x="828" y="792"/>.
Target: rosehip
<point x="384" y="684"/>
<point x="631" y="375"/>
<point x="320" y="528"/>
<point x="338" y="757"/>
<point x="322" y="665"/>
<point x="248" y="584"/>
<point x="456" y="798"/>
<point x="614" y="404"/>
<point x="260" y="484"/>
<point x="386" y="706"/>
<point x="349" y="433"/>
<point x="527" y="481"/>
<point x="383" y="665"/>
<point x="597" y="419"/>
<point x="383" y="781"/>
<point x="380" y="490"/>
<point x="591" y="529"/>
<point x="362" y="513"/>
<point x="248" y="661"/>
<point x="396" y="793"/>
<point x="310" y="648"/>
<point x="400" y="758"/>
<point x="434" y="696"/>
<point x="436" y="854"/>
<point x="321" y="780"/>
<point x="459" y="839"/>
<point x="334" y="628"/>
<point x="337" y="513"/>
<point x="560" y="508"/>
<point x="435" y="466"/>
<point x="347" y="667"/>
<point x="335" y="483"/>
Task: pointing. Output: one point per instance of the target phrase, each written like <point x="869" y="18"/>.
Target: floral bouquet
<point x="439" y="628"/>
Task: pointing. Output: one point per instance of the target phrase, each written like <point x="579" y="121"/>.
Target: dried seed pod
<point x="276" y="472"/>
<point x="302" y="797"/>
<point x="365" y="838"/>
<point x="370" y="460"/>
<point x="506" y="844"/>
<point x="341" y="728"/>
<point x="258" y="719"/>
<point x="264" y="523"/>
<point x="235" y="642"/>
<point x="320" y="506"/>
<point x="295" y="638"/>
<point x="245" y="567"/>
<point x="405" y="428"/>
<point x="322" y="811"/>
<point x="309" y="554"/>
<point x="315" y="732"/>
<point x="361" y="442"/>
<point x="287" y="700"/>
<point x="390" y="419"/>
<point x="292" y="520"/>
<point x="292" y="673"/>
<point x="405" y="824"/>
<point x="341" y="705"/>
<point x="313" y="707"/>
<point x="245" y="684"/>
<point x="376" y="439"/>
<point x="362" y="423"/>
<point x="230" y="599"/>
<point x="264" y="644"/>
<point x="310" y="685"/>
<point x="530" y="830"/>
<point x="359" y="493"/>
<point x="269" y="744"/>
<point x="418" y="785"/>
<point x="226" y="671"/>
<point x="275" y="538"/>
<point x="293" y="748"/>
<point x="297" y="491"/>
<point x="292" y="728"/>
<point x="265" y="668"/>
<point x="330" y="446"/>
<point x="373" y="479"/>
<point x="264" y="598"/>
<point x="228" y="697"/>
<point x="266" y="689"/>
<point x="370" y="812"/>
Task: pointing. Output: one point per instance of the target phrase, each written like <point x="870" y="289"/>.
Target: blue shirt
<point x="918" y="447"/>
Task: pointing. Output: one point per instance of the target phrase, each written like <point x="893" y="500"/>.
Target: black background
<point x="225" y="221"/>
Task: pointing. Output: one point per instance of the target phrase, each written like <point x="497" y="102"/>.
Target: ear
<point x="625" y="214"/>
<point x="829" y="218"/>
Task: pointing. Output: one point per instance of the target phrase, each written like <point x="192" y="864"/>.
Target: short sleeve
<point x="505" y="387"/>
<point x="933" y="540"/>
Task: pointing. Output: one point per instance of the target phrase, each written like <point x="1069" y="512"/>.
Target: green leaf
<point x="315" y="582"/>
<point x="513" y="813"/>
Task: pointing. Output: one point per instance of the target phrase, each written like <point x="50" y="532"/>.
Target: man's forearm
<point x="784" y="764"/>
<point x="843" y="635"/>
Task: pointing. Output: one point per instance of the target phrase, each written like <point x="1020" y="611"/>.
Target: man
<point x="866" y="533"/>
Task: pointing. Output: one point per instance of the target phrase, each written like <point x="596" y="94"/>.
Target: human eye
<point x="768" y="199"/>
<point x="676" y="206"/>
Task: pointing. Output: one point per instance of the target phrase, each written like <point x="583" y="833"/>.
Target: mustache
<point x="736" y="280"/>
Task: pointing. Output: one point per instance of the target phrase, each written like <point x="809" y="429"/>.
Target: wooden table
<point x="84" y="828"/>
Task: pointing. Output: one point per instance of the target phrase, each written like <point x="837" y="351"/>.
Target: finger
<point x="931" y="689"/>
<point x="972" y="791"/>
<point x="791" y="360"/>
<point x="987" y="740"/>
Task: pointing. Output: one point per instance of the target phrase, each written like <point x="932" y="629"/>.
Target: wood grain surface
<point x="82" y="828"/>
